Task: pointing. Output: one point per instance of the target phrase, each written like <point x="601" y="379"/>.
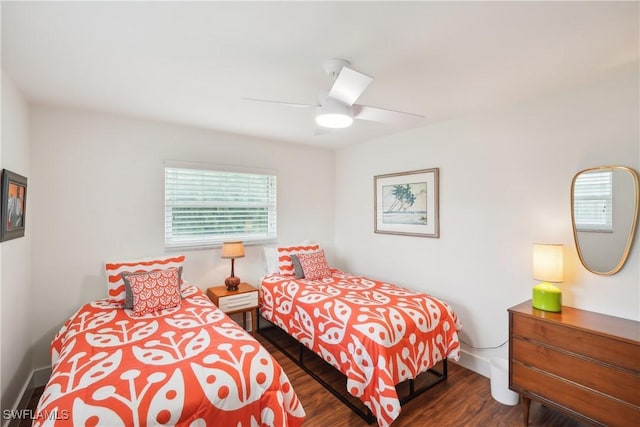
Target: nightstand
<point x="244" y="300"/>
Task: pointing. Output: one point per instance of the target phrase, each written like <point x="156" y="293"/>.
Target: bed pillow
<point x="314" y="265"/>
<point x="285" y="265"/>
<point x="270" y="254"/>
<point x="298" y="272"/>
<point x="114" y="270"/>
<point x="154" y="290"/>
<point x="128" y="296"/>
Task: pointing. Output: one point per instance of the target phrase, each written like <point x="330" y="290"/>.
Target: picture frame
<point x="407" y="203"/>
<point x="13" y="205"/>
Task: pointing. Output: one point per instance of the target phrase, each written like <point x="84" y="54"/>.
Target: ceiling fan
<point x="337" y="109"/>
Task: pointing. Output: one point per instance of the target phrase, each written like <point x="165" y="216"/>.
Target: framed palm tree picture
<point x="407" y="203"/>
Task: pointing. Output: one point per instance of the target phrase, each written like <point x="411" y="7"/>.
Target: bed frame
<point x="409" y="386"/>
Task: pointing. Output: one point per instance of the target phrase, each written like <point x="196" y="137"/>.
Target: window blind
<point x="205" y="207"/>
<point x="592" y="201"/>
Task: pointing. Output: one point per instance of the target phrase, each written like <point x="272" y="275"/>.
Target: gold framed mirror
<point x="604" y="214"/>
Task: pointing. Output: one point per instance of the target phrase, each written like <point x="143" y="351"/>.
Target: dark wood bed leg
<point x="412" y="388"/>
<point x="526" y="404"/>
<point x="445" y="368"/>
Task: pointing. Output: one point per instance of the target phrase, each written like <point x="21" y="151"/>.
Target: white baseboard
<point x="38" y="378"/>
<point x="475" y="363"/>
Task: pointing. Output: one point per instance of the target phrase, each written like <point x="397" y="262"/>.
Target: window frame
<point x="197" y="241"/>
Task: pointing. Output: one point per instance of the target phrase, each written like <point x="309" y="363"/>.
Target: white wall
<point x="98" y="188"/>
<point x="15" y="271"/>
<point x="505" y="180"/>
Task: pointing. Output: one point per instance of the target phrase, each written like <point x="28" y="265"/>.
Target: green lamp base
<point x="547" y="297"/>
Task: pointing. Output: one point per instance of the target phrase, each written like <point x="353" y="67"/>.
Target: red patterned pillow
<point x="314" y="265"/>
<point x="155" y="290"/>
<point x="114" y="270"/>
<point x="285" y="265"/>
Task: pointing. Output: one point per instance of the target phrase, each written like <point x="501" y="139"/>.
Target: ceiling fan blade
<point x="365" y="112"/>
<point x="288" y="104"/>
<point x="349" y="85"/>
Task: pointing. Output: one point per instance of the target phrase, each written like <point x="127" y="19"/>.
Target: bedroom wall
<point x="505" y="180"/>
<point x="98" y="195"/>
<point x="15" y="266"/>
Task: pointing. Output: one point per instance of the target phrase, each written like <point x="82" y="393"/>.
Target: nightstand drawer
<point x="238" y="302"/>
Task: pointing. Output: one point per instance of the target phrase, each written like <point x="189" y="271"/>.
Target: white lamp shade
<point x="548" y="263"/>
<point x="334" y="114"/>
<point x="232" y="250"/>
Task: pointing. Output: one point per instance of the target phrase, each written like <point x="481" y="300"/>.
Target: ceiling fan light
<point x="335" y="121"/>
<point x="334" y="115"/>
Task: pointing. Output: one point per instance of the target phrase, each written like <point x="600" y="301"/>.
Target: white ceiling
<point x="191" y="63"/>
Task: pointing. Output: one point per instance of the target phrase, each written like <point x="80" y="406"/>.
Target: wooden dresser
<point x="583" y="363"/>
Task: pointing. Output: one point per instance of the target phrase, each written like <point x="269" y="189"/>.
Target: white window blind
<point x="205" y="207"/>
<point x="592" y="201"/>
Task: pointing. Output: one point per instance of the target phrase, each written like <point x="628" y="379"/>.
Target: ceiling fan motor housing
<point x="334" y="114"/>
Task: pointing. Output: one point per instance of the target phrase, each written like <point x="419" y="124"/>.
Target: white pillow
<point x="270" y="254"/>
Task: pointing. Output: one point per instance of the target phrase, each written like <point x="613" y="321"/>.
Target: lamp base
<point x="547" y="297"/>
<point x="232" y="283"/>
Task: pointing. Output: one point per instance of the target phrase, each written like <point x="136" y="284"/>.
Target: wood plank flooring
<point x="463" y="400"/>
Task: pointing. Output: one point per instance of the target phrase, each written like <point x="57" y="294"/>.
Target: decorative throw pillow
<point x="115" y="284"/>
<point x="297" y="268"/>
<point x="155" y="290"/>
<point x="285" y="265"/>
<point x="128" y="297"/>
<point x="314" y="265"/>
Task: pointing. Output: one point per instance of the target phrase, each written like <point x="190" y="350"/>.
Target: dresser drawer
<point x="573" y="397"/>
<point x="615" y="382"/>
<point x="238" y="302"/>
<point x="605" y="349"/>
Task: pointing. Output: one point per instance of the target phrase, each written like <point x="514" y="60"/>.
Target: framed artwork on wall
<point x="407" y="203"/>
<point x="13" y="205"/>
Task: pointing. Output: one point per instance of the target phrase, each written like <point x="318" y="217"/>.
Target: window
<point x="206" y="206"/>
<point x="592" y="201"/>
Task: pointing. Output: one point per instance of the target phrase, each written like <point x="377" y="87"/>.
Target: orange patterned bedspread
<point x="190" y="366"/>
<point x="375" y="333"/>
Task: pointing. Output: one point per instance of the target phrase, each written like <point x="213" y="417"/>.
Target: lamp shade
<point x="232" y="250"/>
<point x="548" y="262"/>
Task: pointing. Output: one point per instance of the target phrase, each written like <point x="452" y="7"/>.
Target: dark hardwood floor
<point x="463" y="400"/>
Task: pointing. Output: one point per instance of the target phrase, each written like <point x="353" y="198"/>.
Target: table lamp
<point x="547" y="267"/>
<point x="232" y="250"/>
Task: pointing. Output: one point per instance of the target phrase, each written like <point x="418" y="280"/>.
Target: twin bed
<point x="191" y="364"/>
<point x="377" y="334"/>
<point x="185" y="364"/>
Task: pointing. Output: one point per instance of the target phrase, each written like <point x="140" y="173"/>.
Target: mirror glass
<point x="604" y="213"/>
